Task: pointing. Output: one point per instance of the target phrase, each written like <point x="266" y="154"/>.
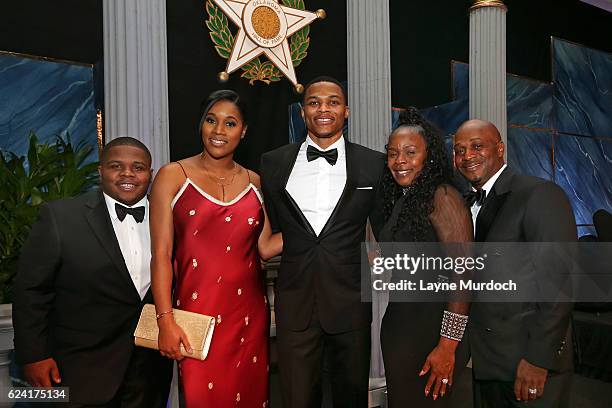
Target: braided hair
<point x="418" y="204"/>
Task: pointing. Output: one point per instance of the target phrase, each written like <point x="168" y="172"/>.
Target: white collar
<point x="488" y="186"/>
<point x="110" y="204"/>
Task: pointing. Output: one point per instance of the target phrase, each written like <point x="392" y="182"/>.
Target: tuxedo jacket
<point x="323" y="271"/>
<point x="75" y="300"/>
<point x="522" y="208"/>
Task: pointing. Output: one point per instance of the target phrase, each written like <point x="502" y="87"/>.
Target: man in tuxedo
<point x="319" y="193"/>
<point x="521" y="352"/>
<point x="83" y="279"/>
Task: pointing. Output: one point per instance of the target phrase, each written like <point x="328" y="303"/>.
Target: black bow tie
<point x="312" y="153"/>
<point x="136" y="212"/>
<point x="475" y="197"/>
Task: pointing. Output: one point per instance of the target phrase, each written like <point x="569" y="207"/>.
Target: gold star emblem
<point x="263" y="28"/>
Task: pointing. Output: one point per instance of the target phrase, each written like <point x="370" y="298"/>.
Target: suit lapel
<point x="494" y="202"/>
<point x="349" y="187"/>
<point x="293" y="207"/>
<point x="100" y="222"/>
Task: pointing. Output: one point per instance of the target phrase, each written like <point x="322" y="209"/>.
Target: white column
<point x="136" y="74"/>
<point x="488" y="63"/>
<point x="369" y="89"/>
<point x="136" y="82"/>
<point x="369" y="72"/>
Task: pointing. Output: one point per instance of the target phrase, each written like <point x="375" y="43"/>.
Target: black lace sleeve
<point x="452" y="222"/>
<point x="451" y="218"/>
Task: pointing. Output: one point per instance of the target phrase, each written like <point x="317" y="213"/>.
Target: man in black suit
<point x="319" y="193"/>
<point x="521" y="352"/>
<point x="83" y="279"/>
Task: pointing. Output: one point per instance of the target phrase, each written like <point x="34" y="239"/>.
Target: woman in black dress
<point x="419" y="204"/>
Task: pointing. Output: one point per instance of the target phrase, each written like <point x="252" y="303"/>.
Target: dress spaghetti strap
<point x="248" y="175"/>
<point x="182" y="168"/>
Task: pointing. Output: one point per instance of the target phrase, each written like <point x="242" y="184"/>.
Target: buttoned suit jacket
<point x="523" y="209"/>
<point x="75" y="301"/>
<point x="323" y="271"/>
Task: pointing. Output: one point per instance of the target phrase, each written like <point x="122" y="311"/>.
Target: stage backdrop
<point x="427" y="34"/>
<point x="560" y="130"/>
<point x="48" y="97"/>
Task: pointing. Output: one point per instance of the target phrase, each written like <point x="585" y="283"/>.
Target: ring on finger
<point x="533" y="391"/>
<point x="445" y="381"/>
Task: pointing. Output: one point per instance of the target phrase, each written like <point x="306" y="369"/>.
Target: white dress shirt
<point x="135" y="243"/>
<point x="317" y="186"/>
<point x="475" y="209"/>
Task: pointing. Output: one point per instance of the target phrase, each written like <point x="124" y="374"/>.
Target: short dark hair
<point x="124" y="141"/>
<point x="223" y="95"/>
<point x="325" y="78"/>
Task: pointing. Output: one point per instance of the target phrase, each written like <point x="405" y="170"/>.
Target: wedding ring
<point x="445" y="381"/>
<point x="533" y="390"/>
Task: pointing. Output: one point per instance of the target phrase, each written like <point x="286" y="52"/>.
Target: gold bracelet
<point x="159" y="316"/>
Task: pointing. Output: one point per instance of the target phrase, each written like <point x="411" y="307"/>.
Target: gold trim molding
<point x="488" y="3"/>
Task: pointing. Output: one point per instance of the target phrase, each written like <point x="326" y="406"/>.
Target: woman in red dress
<point x="209" y="227"/>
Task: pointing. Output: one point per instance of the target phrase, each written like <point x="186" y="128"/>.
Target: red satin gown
<point x="218" y="273"/>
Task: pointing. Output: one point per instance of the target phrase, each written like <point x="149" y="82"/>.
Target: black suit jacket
<point x="523" y="209"/>
<point x="321" y="271"/>
<point x="75" y="300"/>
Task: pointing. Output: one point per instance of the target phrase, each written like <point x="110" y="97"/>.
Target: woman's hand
<point x="170" y="338"/>
<point x="441" y="365"/>
<point x="269" y="244"/>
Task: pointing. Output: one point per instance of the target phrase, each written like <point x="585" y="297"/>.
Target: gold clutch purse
<point x="198" y="328"/>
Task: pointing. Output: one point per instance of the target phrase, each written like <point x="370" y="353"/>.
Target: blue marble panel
<point x="461" y="80"/>
<point x="583" y="89"/>
<point x="529" y="102"/>
<point x="586" y="230"/>
<point x="583" y="168"/>
<point x="448" y="117"/>
<point x="297" y="127"/>
<point x="49" y="98"/>
<point x="395" y="117"/>
<point x="530" y="152"/>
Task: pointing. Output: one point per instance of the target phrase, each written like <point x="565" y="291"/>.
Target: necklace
<point x="222" y="181"/>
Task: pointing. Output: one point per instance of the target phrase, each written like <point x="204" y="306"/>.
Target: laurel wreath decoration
<point x="256" y="70"/>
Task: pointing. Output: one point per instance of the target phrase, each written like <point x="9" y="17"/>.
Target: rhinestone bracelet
<point x="453" y="325"/>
